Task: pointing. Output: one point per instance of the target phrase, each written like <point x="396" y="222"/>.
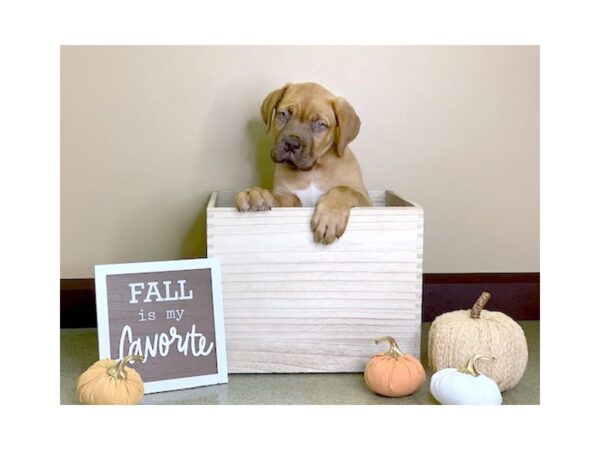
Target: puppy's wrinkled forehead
<point x="308" y="102"/>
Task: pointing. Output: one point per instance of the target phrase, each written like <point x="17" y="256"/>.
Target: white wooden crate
<point x="292" y="305"/>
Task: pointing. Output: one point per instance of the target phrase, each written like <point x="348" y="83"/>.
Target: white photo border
<point x="102" y="271"/>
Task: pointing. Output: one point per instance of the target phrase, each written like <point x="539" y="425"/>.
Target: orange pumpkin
<point x="394" y="373"/>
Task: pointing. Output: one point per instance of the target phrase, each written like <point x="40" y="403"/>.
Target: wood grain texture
<point x="291" y="305"/>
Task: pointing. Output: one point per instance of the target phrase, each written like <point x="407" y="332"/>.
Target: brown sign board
<point x="171" y="314"/>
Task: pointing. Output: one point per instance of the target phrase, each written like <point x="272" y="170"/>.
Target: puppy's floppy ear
<point x="267" y="110"/>
<point x="348" y="124"/>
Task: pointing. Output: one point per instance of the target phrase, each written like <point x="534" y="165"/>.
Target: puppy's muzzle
<point x="293" y="150"/>
<point x="290" y="145"/>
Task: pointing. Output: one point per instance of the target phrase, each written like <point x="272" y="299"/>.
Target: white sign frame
<point x="102" y="271"/>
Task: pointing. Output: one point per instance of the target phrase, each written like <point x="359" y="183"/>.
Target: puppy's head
<point x="308" y="121"/>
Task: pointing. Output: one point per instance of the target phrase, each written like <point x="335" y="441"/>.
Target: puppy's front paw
<point x="329" y="223"/>
<point x="254" y="199"/>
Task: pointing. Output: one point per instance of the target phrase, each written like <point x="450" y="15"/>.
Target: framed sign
<point x="171" y="314"/>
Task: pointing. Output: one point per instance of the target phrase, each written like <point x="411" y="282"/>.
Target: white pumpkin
<point x="465" y="386"/>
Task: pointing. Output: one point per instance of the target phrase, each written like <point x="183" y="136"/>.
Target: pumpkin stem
<point x="394" y="350"/>
<point x="480" y="304"/>
<point x="118" y="369"/>
<point x="470" y="368"/>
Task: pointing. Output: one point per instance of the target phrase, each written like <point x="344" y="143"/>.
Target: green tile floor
<point x="79" y="349"/>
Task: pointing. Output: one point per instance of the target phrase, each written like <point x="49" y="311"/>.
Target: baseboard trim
<point x="77" y="303"/>
<point x="515" y="294"/>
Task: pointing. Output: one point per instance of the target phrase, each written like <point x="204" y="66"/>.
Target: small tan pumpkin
<point x="394" y="373"/>
<point x="107" y="382"/>
<point x="455" y="336"/>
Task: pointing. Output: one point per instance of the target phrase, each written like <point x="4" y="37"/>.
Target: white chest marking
<point x="309" y="196"/>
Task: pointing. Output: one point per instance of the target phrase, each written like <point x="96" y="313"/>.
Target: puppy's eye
<point x="319" y="125"/>
<point x="283" y="116"/>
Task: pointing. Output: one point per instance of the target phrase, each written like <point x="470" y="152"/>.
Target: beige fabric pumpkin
<point x="455" y="336"/>
<point x="108" y="382"/>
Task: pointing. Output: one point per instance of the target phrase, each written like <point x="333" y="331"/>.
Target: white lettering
<point x="134" y="291"/>
<point x="168" y="297"/>
<point x="183" y="296"/>
<point x="162" y="343"/>
<point x="154" y="293"/>
<point x="153" y="290"/>
<point x="176" y="314"/>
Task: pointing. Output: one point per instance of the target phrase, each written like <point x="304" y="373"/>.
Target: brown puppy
<point x="313" y="166"/>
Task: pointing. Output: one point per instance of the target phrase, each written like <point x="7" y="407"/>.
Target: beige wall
<point x="148" y="132"/>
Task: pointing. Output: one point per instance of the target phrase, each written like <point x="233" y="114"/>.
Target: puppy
<point x="313" y="165"/>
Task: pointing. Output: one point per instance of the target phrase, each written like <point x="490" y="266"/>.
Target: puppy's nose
<point x="291" y="144"/>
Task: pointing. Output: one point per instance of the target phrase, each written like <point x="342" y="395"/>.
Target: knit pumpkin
<point x="394" y="374"/>
<point x="108" y="382"/>
<point x="455" y="336"/>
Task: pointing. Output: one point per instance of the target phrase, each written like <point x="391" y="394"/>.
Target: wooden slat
<point x="310" y="302"/>
<point x="318" y="267"/>
<point x="370" y="331"/>
<point x="324" y="286"/>
<point x="385" y="322"/>
<point x="353" y="241"/>
<point x="337" y="336"/>
<point x="306" y="258"/>
<point x="259" y="313"/>
<point x="312" y="277"/>
<point x="290" y="295"/>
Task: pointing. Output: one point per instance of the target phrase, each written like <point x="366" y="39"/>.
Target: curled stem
<point x="394" y="350"/>
<point x="480" y="304"/>
<point x="469" y="367"/>
<point x="118" y="371"/>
